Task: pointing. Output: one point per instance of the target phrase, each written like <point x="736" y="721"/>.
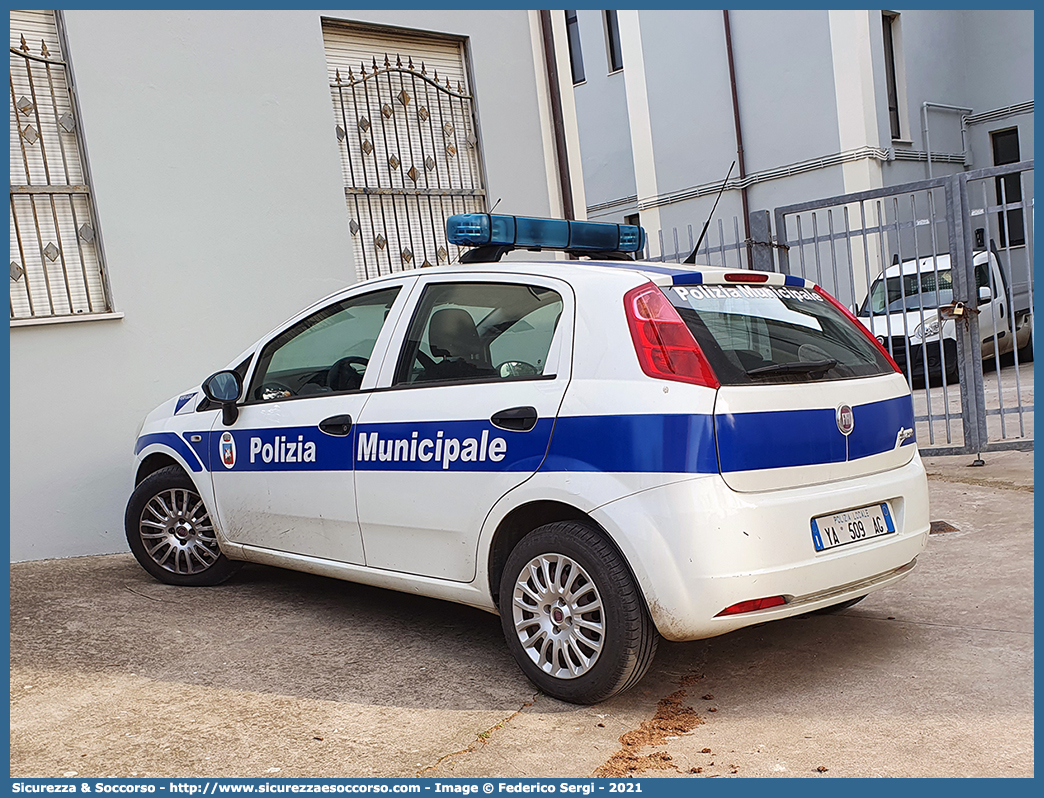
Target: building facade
<point x="821" y="103"/>
<point x="182" y="181"/>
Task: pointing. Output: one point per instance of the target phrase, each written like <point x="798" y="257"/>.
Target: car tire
<point x="170" y="532"/>
<point x="572" y="653"/>
<point x="1026" y="352"/>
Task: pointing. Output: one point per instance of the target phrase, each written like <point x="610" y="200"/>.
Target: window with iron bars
<point x="405" y="122"/>
<point x="57" y="267"/>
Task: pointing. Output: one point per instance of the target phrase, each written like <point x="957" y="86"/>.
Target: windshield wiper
<point x="798" y="367"/>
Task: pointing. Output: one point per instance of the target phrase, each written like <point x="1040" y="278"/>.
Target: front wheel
<point x="1026" y="351"/>
<point x="573" y="616"/>
<point x="170" y="532"/>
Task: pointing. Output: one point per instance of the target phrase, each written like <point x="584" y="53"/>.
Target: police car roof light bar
<point x="495" y="235"/>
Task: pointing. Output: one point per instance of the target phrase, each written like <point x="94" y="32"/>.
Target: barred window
<point x="404" y="119"/>
<point x="57" y="269"/>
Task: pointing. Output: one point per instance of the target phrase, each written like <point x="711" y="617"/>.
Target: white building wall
<point x="217" y="181"/>
<point x="601" y="109"/>
<point x="811" y="84"/>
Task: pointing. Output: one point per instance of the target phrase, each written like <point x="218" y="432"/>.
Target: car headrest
<point x="452" y="333"/>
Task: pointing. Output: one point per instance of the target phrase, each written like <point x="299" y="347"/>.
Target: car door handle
<point x="336" y="425"/>
<point x="515" y="419"/>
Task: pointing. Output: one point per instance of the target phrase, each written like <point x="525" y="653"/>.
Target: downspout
<point x="739" y="134"/>
<point x="556" y="115"/>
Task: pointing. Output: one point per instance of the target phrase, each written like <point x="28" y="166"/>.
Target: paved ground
<point x="282" y="674"/>
<point x="1008" y="389"/>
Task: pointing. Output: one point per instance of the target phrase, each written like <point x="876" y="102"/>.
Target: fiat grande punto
<point x="604" y="451"/>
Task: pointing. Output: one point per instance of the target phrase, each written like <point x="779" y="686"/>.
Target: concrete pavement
<point x="279" y="674"/>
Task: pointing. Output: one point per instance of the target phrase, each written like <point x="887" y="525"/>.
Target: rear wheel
<point x="573" y="616"/>
<point x="170" y="532"/>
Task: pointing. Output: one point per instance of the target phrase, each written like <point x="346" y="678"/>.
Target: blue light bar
<point x="480" y="229"/>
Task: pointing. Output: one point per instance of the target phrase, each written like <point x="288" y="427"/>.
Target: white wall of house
<point x="608" y="163"/>
<point x="217" y="183"/>
<point x="811" y="84"/>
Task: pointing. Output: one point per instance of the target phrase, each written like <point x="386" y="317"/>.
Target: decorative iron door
<point x="409" y="148"/>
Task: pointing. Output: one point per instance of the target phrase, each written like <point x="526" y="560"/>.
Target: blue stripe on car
<point x="778" y="439"/>
<point x="692" y="278"/>
<point x="877" y="426"/>
<point x="646" y="443"/>
<point x="172" y="441"/>
<point x="790" y="438"/>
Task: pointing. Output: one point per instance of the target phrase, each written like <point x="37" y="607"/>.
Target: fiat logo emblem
<point x="845" y="420"/>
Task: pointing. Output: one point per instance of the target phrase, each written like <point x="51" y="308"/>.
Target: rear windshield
<point x="767" y="334"/>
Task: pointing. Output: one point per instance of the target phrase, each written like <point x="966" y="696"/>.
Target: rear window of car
<point x="768" y="334"/>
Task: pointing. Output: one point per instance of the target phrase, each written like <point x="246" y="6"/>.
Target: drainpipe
<point x="739" y="133"/>
<point x="964" y="112"/>
<point x="551" y="64"/>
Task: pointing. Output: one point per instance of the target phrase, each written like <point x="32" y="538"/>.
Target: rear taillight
<point x="665" y="347"/>
<point x="855" y="321"/>
<point x="751" y="605"/>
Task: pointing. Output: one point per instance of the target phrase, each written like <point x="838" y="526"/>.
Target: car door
<point x="993" y="320"/>
<point x="463" y="414"/>
<point x="283" y="471"/>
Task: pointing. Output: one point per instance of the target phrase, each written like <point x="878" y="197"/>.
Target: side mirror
<point x="985" y="294"/>
<point x="224" y="389"/>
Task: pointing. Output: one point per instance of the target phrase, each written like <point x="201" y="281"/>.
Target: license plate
<point x="852" y="526"/>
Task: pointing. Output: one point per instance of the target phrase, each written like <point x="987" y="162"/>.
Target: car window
<point x="756" y="335"/>
<point x="327" y="352"/>
<point x="982" y="276"/>
<point x="463" y="332"/>
<point x="936" y="288"/>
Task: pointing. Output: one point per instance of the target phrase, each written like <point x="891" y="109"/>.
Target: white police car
<point x="603" y="451"/>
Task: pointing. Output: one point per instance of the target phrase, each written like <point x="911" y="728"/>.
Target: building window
<point x="404" y="118"/>
<point x="612" y="36"/>
<point x="576" y="58"/>
<point x="888" y="22"/>
<point x="57" y="269"/>
<point x="1009" y="187"/>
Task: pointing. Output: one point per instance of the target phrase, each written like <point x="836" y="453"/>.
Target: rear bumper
<point x="930" y="351"/>
<point x="697" y="547"/>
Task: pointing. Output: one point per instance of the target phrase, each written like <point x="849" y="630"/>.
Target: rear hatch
<point x="806" y="396"/>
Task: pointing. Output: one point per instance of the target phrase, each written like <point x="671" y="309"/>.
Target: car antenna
<point x="695" y="249"/>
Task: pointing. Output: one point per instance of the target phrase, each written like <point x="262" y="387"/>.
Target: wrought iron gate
<point x="952" y="223"/>
<point x="410" y="153"/>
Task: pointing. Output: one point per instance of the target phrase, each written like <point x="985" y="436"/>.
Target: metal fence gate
<point x="935" y="239"/>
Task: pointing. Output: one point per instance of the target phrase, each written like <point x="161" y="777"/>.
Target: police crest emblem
<point x="228" y="450"/>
